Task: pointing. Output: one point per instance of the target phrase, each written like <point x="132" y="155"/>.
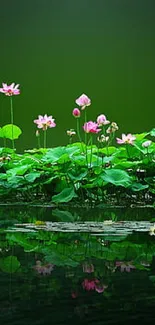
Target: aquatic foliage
<point x="118" y="253"/>
<point x="93" y="169"/>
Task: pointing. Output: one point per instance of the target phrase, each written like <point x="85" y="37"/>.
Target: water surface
<point x="65" y="277"/>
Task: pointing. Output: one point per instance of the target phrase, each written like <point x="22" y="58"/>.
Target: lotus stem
<point x="85" y="115"/>
<point x="127" y="150"/>
<point x="91" y="149"/>
<point x="45" y="138"/>
<point x="12" y="119"/>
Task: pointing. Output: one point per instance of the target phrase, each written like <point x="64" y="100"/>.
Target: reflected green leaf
<point x="9" y="264"/>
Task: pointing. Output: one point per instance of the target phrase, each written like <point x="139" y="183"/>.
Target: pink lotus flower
<point x="102" y="120"/>
<point x="76" y="112"/>
<point x="91" y="127"/>
<point x="83" y="101"/>
<point x="129" y="138"/>
<point x="43" y="269"/>
<point x="10" y="90"/>
<point x="146" y="144"/>
<point x="125" y="266"/>
<point x="43" y="122"/>
<point x="88" y="267"/>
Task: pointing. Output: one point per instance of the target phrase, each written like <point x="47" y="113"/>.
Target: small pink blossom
<point x="10" y="90"/>
<point x="83" y="101"/>
<point x="146" y="144"/>
<point x="129" y="138"/>
<point x="88" y="267"/>
<point x="43" y="122"/>
<point x="91" y="127"/>
<point x="102" y="120"/>
<point x="125" y="266"/>
<point x="76" y="112"/>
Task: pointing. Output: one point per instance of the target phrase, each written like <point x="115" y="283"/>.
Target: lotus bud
<point x="76" y="112"/>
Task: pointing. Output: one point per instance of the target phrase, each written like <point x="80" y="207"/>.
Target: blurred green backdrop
<point x="59" y="49"/>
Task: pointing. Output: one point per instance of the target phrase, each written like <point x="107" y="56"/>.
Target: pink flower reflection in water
<point x="125" y="266"/>
<point x="93" y="284"/>
<point x="88" y="267"/>
<point x="44" y="269"/>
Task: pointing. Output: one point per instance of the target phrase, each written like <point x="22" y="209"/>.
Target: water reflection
<point x="30" y="213"/>
<point x="70" y="277"/>
<point x="64" y="277"/>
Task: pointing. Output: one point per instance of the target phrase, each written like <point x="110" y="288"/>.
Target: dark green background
<point x="57" y="50"/>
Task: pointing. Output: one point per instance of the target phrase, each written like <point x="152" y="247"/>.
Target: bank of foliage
<point x="79" y="172"/>
<point x="92" y="170"/>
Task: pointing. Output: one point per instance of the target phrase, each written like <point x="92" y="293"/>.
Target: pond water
<point x="99" y="269"/>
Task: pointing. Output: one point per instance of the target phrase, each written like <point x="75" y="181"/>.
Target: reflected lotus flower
<point x="74" y="295"/>
<point x="125" y="266"/>
<point x="93" y="284"/>
<point x="83" y="101"/>
<point x="129" y="138"/>
<point x="145" y="263"/>
<point x="44" y="122"/>
<point x="91" y="127"/>
<point x="102" y="120"/>
<point x="88" y="267"/>
<point x="100" y="287"/>
<point x="10" y="90"/>
<point x="43" y="269"/>
<point x="89" y="284"/>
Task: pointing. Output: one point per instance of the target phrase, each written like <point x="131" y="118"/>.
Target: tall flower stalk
<point x="10" y="90"/>
<point x="90" y="127"/>
<point x="85" y="120"/>
<point x="102" y="122"/>
<point x="83" y="101"/>
<point x="12" y="120"/>
<point x="45" y="122"/>
<point x="76" y="113"/>
<point x="91" y="149"/>
<point x="45" y="137"/>
<point x="71" y="133"/>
